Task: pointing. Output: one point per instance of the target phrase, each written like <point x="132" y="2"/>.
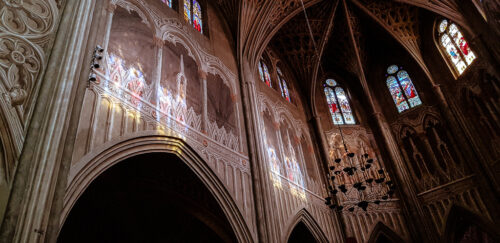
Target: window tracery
<point x="453" y="43"/>
<point x="338" y="103"/>
<point x="283" y="86"/>
<point x="193" y="14"/>
<point x="402" y="90"/>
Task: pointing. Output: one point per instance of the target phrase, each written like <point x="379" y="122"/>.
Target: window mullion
<point x="339" y="108"/>
<point x="459" y="51"/>
<point x="403" y="91"/>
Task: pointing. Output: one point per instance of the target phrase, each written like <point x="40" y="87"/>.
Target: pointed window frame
<point x="453" y="46"/>
<point x="343" y="113"/>
<point x="193" y="14"/>
<point x="285" y="92"/>
<point x="264" y="74"/>
<point x="401" y="87"/>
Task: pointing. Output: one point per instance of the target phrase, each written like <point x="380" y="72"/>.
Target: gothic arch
<point x="138" y="7"/>
<point x="91" y="166"/>
<point x="381" y="229"/>
<point x="308" y="220"/>
<point x="458" y="217"/>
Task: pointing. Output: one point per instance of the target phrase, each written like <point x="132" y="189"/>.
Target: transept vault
<point x="249" y="121"/>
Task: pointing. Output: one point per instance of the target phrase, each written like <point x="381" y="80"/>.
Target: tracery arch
<point x="338" y="103"/>
<point x="454" y="46"/>
<point x="402" y="90"/>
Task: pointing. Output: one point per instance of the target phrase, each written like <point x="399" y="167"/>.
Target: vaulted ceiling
<point x="339" y="41"/>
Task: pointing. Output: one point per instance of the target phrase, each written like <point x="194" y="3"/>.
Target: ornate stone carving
<point x="19" y="67"/>
<point x="30" y="18"/>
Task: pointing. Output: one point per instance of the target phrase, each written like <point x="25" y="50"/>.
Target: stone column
<point x="50" y="135"/>
<point x="324" y="148"/>
<point x="204" y="109"/>
<point x="266" y="228"/>
<point x="110" y="10"/>
<point x="156" y="79"/>
<point x="421" y="228"/>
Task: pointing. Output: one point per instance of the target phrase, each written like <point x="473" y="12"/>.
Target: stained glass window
<point x="283" y="86"/>
<point x="187" y="10"/>
<point x="193" y="12"/>
<point x="401" y="87"/>
<point x="456" y="47"/>
<point x="338" y="103"/>
<point x="167" y="2"/>
<point x="197" y="22"/>
<point x="264" y="74"/>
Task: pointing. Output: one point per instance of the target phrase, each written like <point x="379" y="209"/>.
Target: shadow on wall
<point x="147" y="198"/>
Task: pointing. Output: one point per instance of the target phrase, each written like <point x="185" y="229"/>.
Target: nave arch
<point x="94" y="164"/>
<point x="382" y="233"/>
<point x="304" y="217"/>
<point x="460" y="219"/>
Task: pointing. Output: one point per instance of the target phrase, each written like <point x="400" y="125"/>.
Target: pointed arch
<point x="401" y="88"/>
<point x="381" y="230"/>
<point x="453" y="46"/>
<point x="338" y="103"/>
<point x="285" y="93"/>
<point x="459" y="219"/>
<point x="303" y="216"/>
<point x="141" y="10"/>
<point x="94" y="164"/>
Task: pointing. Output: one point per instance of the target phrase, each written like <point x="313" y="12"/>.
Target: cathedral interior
<point x="357" y="121"/>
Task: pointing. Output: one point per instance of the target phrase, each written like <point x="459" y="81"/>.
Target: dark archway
<point x="383" y="234"/>
<point x="463" y="226"/>
<point x="147" y="198"/>
<point x="301" y="234"/>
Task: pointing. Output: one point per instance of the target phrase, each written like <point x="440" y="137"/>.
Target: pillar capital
<point x="276" y="125"/>
<point x="234" y="98"/>
<point x="111" y="7"/>
<point x="203" y="74"/>
<point x="158" y="42"/>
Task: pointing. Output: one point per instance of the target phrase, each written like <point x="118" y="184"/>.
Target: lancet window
<point x="283" y="86"/>
<point x="264" y="74"/>
<point x="193" y="14"/>
<point x="338" y="103"/>
<point x="456" y="48"/>
<point x="401" y="87"/>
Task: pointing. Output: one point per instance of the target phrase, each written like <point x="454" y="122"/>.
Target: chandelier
<point x="356" y="181"/>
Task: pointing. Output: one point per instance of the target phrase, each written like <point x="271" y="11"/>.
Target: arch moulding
<point x="305" y="217"/>
<point x="90" y="167"/>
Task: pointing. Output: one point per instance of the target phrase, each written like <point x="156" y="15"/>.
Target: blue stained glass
<point x="283" y="87"/>
<point x="455" y="46"/>
<point x="331" y="82"/>
<point x="409" y="89"/>
<point x="197" y="21"/>
<point x="267" y="77"/>
<point x="333" y="106"/>
<point x="187" y="10"/>
<point x="168" y="2"/>
<point x="392" y="69"/>
<point x="344" y="106"/>
<point x="261" y="72"/>
<point x="396" y="94"/>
